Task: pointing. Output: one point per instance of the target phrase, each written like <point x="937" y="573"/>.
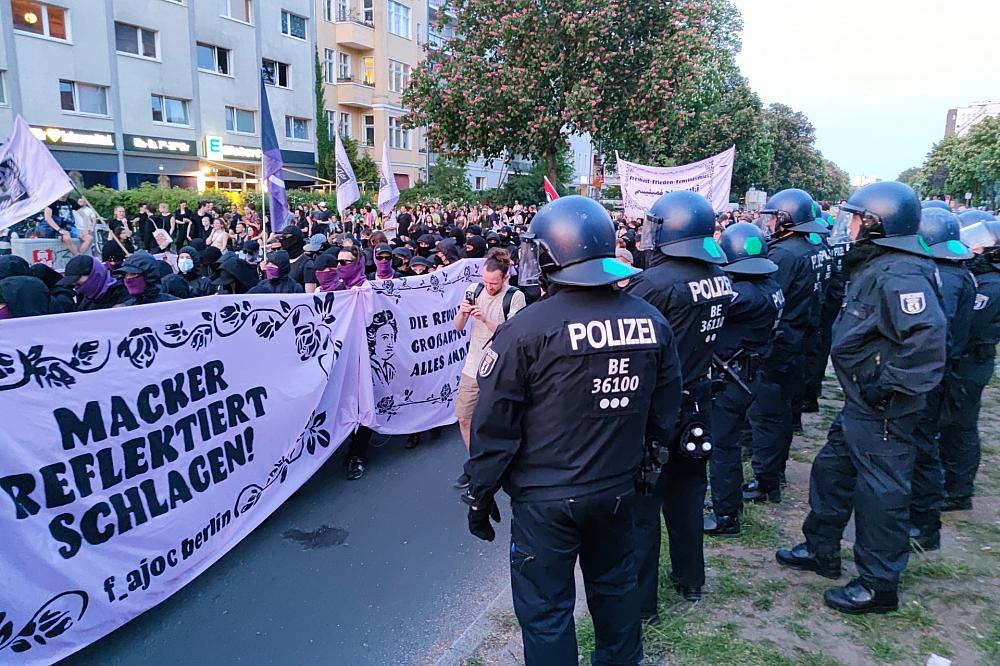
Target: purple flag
<point x="273" y="165"/>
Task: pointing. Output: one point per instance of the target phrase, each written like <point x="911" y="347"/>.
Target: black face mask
<point x="424" y="250"/>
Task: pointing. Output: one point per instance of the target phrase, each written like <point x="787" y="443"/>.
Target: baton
<point x="729" y="372"/>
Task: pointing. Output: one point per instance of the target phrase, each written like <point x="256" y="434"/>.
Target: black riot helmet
<point x="942" y="231"/>
<point x="936" y="203"/>
<point x="682" y="224"/>
<point x="890" y="216"/>
<point x="981" y="231"/>
<point x="967" y="217"/>
<point x="571" y="241"/>
<point x="746" y="248"/>
<point x="793" y="210"/>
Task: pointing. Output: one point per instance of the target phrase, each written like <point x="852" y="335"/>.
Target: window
<point x="296" y="128"/>
<point x="399" y="76"/>
<point x="368" y="62"/>
<point x="329" y="67"/>
<point x="398" y="137"/>
<point x="345" y="125"/>
<point x="368" y="130"/>
<point x="169" y="110"/>
<point x="480" y="182"/>
<point x="327" y="10"/>
<point x="331" y="125"/>
<point x="399" y="19"/>
<point x="39" y="18"/>
<point x="83" y="98"/>
<point x="240" y="121"/>
<point x="343" y="10"/>
<point x="135" y="40"/>
<point x="343" y="67"/>
<point x="293" y="25"/>
<point x="238" y="9"/>
<point x="368" y="11"/>
<point x="3" y="88"/>
<point x="277" y="73"/>
<point x="213" y="59"/>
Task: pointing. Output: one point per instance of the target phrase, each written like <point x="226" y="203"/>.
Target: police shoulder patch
<point x="982" y="300"/>
<point x="489" y="362"/>
<point x="913" y="303"/>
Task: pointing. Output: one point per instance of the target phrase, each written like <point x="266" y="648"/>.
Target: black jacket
<point x="114" y="296"/>
<point x="891" y="334"/>
<point x="241" y="275"/>
<point x="801" y="268"/>
<point x="151" y="271"/>
<point x="694" y="297"/>
<point x="958" y="295"/>
<point x="568" y="392"/>
<point x="283" y="284"/>
<point x="12" y="265"/>
<point x="63" y="298"/>
<point x="979" y="355"/>
<point x="26" y="296"/>
<point x="752" y="316"/>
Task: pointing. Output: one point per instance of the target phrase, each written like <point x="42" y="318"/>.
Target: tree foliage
<point x="956" y="165"/>
<point x="324" y="146"/>
<point x="446" y="183"/>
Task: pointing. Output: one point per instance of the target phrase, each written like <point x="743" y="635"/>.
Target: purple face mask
<point x="352" y="274"/>
<point x="328" y="280"/>
<point x="97" y="283"/>
<point x="271" y="272"/>
<point x="135" y="285"/>
<point x="383" y="267"/>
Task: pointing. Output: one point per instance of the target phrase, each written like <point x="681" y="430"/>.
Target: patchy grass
<point x="989" y="641"/>
<point x="942" y="567"/>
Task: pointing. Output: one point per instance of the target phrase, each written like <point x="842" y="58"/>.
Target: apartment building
<point x="132" y="91"/>
<point x="368" y="50"/>
<point x="961" y="120"/>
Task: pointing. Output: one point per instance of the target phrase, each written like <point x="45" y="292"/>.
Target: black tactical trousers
<point x="546" y="539"/>
<point x="960" y="447"/>
<point x="681" y="498"/>
<point x="771" y="421"/>
<point x="729" y="420"/>
<point x="927" y="487"/>
<point x="819" y="354"/>
<point x="865" y="467"/>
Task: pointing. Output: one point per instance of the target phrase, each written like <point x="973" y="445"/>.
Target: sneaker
<point x="412" y="441"/>
<point x="355" y="468"/>
<point x="462" y="482"/>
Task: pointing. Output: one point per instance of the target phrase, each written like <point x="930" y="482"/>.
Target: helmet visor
<point x="528" y="265"/>
<point x="978" y="235"/>
<point x="768" y="222"/>
<point x="841" y="232"/>
<point x="648" y="233"/>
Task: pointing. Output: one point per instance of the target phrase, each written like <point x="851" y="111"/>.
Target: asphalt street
<point x="376" y="571"/>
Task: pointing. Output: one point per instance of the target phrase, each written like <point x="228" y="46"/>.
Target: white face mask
<point x="185" y="265"/>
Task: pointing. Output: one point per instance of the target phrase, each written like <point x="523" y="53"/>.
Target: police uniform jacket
<point x="751" y="318"/>
<point x="694" y="297"/>
<point x="958" y="294"/>
<point x="979" y="355"/>
<point x="800" y="268"/>
<point x="569" y="391"/>
<point x="891" y="334"/>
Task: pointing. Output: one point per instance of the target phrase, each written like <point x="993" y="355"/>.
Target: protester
<point x="12" y="265"/>
<point x="189" y="271"/>
<point x="25" y="296"/>
<point x="276" y="276"/>
<point x="62" y="296"/>
<point x="60" y="217"/>
<point x="113" y="255"/>
<point x="383" y="263"/>
<point x="142" y="280"/>
<point x="326" y="273"/>
<point x="95" y="286"/>
<point x="236" y="276"/>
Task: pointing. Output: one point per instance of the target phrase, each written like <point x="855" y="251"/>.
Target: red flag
<point x="550" y="191"/>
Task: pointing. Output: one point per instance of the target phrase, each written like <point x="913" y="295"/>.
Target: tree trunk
<point x="551" y="169"/>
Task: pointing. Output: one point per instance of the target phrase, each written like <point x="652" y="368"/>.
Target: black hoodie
<point x="150" y="269"/>
<point x="26" y="296"/>
<point x="62" y="297"/>
<point x="197" y="284"/>
<point x="283" y="284"/>
<point x="238" y="276"/>
<point x="12" y="265"/>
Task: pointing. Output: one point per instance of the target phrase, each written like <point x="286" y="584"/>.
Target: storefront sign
<point x="152" y="144"/>
<point x="215" y="149"/>
<point x="58" y="136"/>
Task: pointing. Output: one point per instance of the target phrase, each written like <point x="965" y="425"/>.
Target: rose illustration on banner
<point x="139" y="347"/>
<point x="51" y="371"/>
<point x="53" y="619"/>
<point x="310" y="340"/>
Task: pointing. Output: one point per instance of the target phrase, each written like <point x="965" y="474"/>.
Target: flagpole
<point x="263" y="209"/>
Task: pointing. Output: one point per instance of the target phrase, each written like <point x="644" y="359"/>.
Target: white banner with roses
<point x="140" y="444"/>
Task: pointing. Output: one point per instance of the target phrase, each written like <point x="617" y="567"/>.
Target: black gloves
<point x="876" y="396"/>
<point x="480" y="515"/>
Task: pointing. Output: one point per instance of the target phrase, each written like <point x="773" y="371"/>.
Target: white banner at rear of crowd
<point x="140" y="444"/>
<point x="642" y="185"/>
<point x="416" y="354"/>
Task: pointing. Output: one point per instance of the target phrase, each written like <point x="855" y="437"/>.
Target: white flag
<point x="347" y="183"/>
<point x="388" y="191"/>
<point x="30" y="178"/>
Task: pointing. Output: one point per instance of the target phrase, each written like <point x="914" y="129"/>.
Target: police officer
<point x="750" y="321"/>
<point x="836" y="245"/>
<point x="796" y="246"/>
<point x="940" y="230"/>
<point x="960" y="448"/>
<point x="888" y="351"/>
<point x="569" y="392"/>
<point x="685" y="283"/>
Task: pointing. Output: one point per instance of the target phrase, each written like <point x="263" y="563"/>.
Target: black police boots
<point x="722" y="525"/>
<point x="799" y="557"/>
<point x="856" y="598"/>
<point x="924" y="539"/>
<point x="956" y="504"/>
<point x="754" y="492"/>
<point x="692" y="594"/>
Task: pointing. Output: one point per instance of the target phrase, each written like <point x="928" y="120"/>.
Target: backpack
<point x="507" y="298"/>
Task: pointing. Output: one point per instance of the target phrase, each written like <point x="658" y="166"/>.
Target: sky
<point x="875" y="77"/>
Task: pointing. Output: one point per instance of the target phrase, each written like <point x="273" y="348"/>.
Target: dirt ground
<point x="756" y="613"/>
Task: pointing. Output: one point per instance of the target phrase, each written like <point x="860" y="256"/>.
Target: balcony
<point x="355" y="33"/>
<point x="355" y="94"/>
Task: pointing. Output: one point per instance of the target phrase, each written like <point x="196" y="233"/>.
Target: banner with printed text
<point x="416" y="354"/>
<point x="140" y="444"/>
<point x="642" y="185"/>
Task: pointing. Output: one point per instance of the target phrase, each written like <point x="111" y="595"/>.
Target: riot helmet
<point x="967" y="217"/>
<point x="746" y="248"/>
<point x="571" y="241"/>
<point x="936" y="203"/>
<point x="682" y="224"/>
<point x="941" y="230"/>
<point x="792" y="210"/>
<point x="981" y="231"/>
<point x="890" y="216"/>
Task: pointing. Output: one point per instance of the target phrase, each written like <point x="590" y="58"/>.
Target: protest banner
<point x="416" y="354"/>
<point x="140" y="444"/>
<point x="642" y="185"/>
